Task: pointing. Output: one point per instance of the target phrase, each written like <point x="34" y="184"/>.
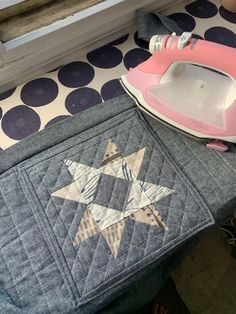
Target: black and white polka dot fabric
<point x="94" y="78"/>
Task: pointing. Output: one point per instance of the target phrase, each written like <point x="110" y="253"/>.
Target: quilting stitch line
<point x="119" y="274"/>
<point x="84" y="148"/>
<point x="72" y="290"/>
<point x="176" y="167"/>
<point x="60" y="150"/>
<point x="40" y="284"/>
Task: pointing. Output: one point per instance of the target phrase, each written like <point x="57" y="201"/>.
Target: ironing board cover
<point x="90" y="205"/>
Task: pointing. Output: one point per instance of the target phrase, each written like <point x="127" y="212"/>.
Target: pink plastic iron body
<point x="189" y="84"/>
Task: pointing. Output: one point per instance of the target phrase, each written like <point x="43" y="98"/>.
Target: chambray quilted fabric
<point x="92" y="77"/>
<point x="89" y="215"/>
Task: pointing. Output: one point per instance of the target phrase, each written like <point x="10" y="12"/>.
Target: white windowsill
<point x="42" y="50"/>
<point x="5" y="4"/>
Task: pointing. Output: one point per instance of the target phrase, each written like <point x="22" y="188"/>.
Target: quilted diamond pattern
<point x="91" y="264"/>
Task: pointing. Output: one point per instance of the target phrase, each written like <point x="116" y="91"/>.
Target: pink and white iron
<point x="189" y="84"/>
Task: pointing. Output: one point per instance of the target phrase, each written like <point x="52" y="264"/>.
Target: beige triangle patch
<point x="157" y="215"/>
<point x="87" y="227"/>
<point x="111" y="153"/>
<point x="145" y="215"/>
<point x="113" y="235"/>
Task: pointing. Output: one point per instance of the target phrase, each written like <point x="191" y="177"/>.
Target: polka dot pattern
<point x="93" y="78"/>
<point x="39" y="92"/>
<point x="105" y="57"/>
<point x="76" y="74"/>
<point x="55" y="69"/>
<point x="185" y="21"/>
<point x="228" y="16"/>
<point x="197" y="36"/>
<point x="135" y="57"/>
<point x="221" y="35"/>
<point x="120" y="40"/>
<point x="81" y="99"/>
<point x="7" y="94"/>
<point x="112" y="89"/>
<point x="202" y="8"/>
<point x="56" y="119"/>
<point x="140" y="42"/>
<point x="20" y="122"/>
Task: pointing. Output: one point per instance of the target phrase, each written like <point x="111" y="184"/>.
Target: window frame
<point x="41" y="50"/>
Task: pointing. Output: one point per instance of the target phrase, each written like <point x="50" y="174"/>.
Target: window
<point x="18" y="17"/>
<point x="39" y="35"/>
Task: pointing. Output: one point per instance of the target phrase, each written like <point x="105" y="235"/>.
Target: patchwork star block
<point x="113" y="194"/>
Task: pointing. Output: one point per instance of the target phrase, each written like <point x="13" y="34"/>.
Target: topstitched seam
<point x="26" y="182"/>
<point x="19" y="235"/>
<point x="84" y="148"/>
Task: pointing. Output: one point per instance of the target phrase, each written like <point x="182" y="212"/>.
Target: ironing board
<point x="89" y="210"/>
